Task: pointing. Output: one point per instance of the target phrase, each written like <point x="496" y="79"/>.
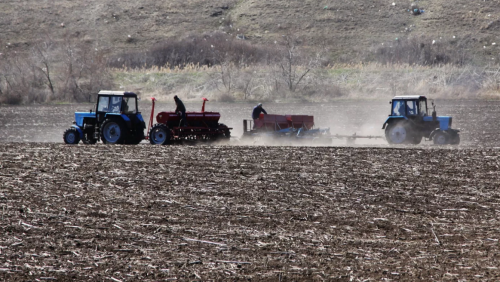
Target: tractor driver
<point x="399" y="108"/>
<point x="256" y="112"/>
<point x="180" y="110"/>
<point x="125" y="105"/>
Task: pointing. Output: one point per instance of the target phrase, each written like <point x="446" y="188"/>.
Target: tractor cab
<point x="116" y="102"/>
<point x="409" y="106"/>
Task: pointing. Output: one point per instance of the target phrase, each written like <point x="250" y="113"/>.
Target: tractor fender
<point x="393" y="119"/>
<point x="139" y="117"/>
<point x="141" y="120"/>
<point x="80" y="131"/>
<point x="125" y="118"/>
<point x="449" y="131"/>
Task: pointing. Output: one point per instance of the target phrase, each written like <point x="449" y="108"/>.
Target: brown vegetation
<point x="53" y="71"/>
<point x="237" y="35"/>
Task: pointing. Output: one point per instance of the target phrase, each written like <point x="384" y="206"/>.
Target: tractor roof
<point x="117" y="93"/>
<point x="412" y="97"/>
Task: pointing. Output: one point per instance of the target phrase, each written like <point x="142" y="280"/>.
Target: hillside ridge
<point x="341" y="27"/>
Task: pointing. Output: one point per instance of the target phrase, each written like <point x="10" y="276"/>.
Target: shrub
<point x="203" y="50"/>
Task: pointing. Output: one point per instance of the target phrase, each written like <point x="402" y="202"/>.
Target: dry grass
<point x="357" y="81"/>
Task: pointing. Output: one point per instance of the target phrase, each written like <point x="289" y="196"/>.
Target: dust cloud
<point x="476" y="119"/>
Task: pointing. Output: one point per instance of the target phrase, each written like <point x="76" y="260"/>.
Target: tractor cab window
<point x="103" y="104"/>
<point x="423" y="107"/>
<point x="411" y="107"/>
<point x="129" y="105"/>
<point x="398" y="108"/>
<point x="115" y="104"/>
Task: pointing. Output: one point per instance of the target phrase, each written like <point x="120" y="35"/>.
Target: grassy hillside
<point x="343" y="27"/>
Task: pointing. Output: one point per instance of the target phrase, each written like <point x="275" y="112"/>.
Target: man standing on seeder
<point x="256" y="113"/>
<point x="180" y="110"/>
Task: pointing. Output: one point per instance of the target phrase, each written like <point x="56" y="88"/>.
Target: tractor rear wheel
<point x="71" y="136"/>
<point x="159" y="135"/>
<point x="397" y="133"/>
<point x="113" y="132"/>
<point x="441" y="138"/>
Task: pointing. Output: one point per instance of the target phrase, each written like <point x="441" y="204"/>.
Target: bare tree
<point x="43" y="62"/>
<point x="290" y="64"/>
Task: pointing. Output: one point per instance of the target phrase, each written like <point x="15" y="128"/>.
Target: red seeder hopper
<point x="201" y="126"/>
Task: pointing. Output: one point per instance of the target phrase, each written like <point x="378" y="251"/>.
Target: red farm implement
<point x="201" y="126"/>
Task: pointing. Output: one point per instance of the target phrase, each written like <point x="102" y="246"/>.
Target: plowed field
<point x="124" y="213"/>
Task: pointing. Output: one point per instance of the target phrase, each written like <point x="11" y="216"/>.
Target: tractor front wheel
<point x="159" y="135"/>
<point x="113" y="132"/>
<point x="71" y="136"/>
<point x="455" y="140"/>
<point x="441" y="138"/>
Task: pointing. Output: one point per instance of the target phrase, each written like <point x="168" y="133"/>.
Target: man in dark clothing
<point x="256" y="112"/>
<point x="180" y="110"/>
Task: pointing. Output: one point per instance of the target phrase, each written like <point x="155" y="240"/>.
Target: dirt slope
<point x="342" y="26"/>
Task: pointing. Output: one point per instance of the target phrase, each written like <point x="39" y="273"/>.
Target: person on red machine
<point x="256" y="112"/>
<point x="180" y="110"/>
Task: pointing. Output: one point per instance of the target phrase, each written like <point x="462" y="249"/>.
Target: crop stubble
<point x="261" y="213"/>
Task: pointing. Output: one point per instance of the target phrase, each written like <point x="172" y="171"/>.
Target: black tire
<point x="455" y="140"/>
<point x="416" y="138"/>
<point x="227" y="132"/>
<point x="398" y="133"/>
<point x="159" y="135"/>
<point x="441" y="138"/>
<point x="113" y="131"/>
<point x="71" y="136"/>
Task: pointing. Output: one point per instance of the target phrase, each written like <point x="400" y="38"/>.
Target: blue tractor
<point x="410" y="121"/>
<point x="115" y="120"/>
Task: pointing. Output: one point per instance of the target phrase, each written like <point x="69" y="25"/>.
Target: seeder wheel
<point x="159" y="135"/>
